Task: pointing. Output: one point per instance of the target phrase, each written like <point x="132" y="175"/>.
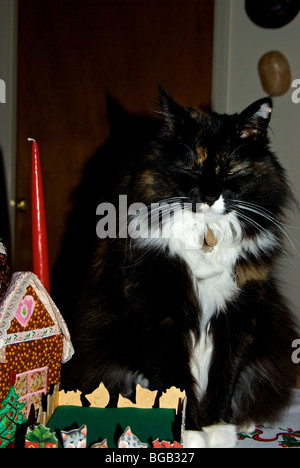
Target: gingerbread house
<point x="34" y="340"/>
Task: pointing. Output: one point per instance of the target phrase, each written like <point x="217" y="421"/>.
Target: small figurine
<point x="76" y="438"/>
<point x="102" y="444"/>
<point x="129" y="440"/>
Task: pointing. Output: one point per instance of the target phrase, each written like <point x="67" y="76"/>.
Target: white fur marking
<point x="212" y="272"/>
<point x="264" y="111"/>
<point x="200" y="362"/>
<point x="215" y="436"/>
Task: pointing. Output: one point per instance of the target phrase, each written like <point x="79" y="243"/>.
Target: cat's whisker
<point x="153" y="214"/>
<point x="275" y="241"/>
<point x="277" y="223"/>
<point x="264" y="211"/>
<point x="185" y="145"/>
<point x="236" y="149"/>
<point x="264" y="215"/>
<point x="240" y="206"/>
<point x="251" y="221"/>
<point x="163" y="204"/>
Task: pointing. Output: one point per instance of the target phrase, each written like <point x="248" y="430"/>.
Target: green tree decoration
<point x="10" y="416"/>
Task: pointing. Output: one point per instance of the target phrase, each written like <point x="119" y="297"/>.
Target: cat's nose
<point x="211" y="198"/>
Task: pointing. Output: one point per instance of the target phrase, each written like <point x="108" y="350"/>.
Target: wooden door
<point x="72" y="55"/>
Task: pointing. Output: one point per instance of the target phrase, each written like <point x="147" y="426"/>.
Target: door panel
<point x="72" y="55"/>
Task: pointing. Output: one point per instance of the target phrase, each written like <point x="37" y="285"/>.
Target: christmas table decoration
<point x="130" y="440"/>
<point x="75" y="438"/>
<point x="34" y="340"/>
<point x="165" y="444"/>
<point x="40" y="258"/>
<point x="40" y="437"/>
<point x="10" y="415"/>
<point x="102" y="444"/>
<point x="111" y="423"/>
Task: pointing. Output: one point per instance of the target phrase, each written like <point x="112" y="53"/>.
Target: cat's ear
<point x="173" y="115"/>
<point x="254" y="120"/>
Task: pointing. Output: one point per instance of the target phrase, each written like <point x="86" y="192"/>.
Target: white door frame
<point x="8" y="110"/>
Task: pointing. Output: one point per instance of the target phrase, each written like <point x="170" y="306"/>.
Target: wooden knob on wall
<point x="275" y="74"/>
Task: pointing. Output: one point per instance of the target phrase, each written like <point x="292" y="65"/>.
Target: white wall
<point x="239" y="44"/>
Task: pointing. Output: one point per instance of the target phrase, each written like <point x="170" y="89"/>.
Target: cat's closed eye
<point x="188" y="179"/>
<point x="237" y="170"/>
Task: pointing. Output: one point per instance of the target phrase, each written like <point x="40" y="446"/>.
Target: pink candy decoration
<point x="25" y="310"/>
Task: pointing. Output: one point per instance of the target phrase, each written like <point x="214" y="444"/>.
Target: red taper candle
<point x="40" y="259"/>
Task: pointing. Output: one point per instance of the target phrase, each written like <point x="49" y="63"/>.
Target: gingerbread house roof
<point x="9" y="305"/>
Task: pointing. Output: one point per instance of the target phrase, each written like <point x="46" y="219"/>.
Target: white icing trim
<point x="3" y="250"/>
<point x="14" y="295"/>
<point x="31" y="335"/>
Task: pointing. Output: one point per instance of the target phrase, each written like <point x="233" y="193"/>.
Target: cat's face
<point x="219" y="163"/>
<point x="76" y="438"/>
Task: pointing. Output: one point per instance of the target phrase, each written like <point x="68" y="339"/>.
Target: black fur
<point x="139" y="310"/>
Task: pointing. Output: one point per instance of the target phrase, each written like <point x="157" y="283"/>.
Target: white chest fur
<point x="212" y="275"/>
<point x="214" y="282"/>
<point x="212" y="272"/>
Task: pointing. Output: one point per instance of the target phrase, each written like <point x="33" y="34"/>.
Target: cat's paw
<point x="221" y="435"/>
<point x="194" y="439"/>
<point x="247" y="428"/>
<point x="215" y="436"/>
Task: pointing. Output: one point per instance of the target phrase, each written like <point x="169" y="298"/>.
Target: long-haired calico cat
<point x="182" y="292"/>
